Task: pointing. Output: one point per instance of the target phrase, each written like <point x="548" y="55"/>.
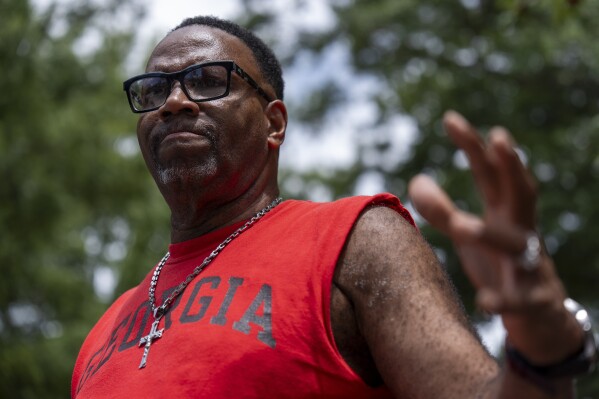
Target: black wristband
<point x="580" y="363"/>
<point x="524" y="369"/>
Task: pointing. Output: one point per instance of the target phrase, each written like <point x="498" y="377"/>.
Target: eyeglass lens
<point x="201" y="84"/>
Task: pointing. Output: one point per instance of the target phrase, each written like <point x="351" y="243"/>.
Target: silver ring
<point x="530" y="258"/>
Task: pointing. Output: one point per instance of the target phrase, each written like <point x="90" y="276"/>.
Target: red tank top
<point x="254" y="324"/>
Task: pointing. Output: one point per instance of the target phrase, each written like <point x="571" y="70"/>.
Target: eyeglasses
<point x="200" y="82"/>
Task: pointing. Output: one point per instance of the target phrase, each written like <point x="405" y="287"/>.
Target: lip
<point x="180" y="136"/>
<point x="180" y="132"/>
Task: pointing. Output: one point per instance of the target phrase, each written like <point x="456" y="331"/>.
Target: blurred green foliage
<point x="78" y="204"/>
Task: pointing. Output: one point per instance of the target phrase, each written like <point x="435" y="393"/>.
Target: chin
<point x="182" y="175"/>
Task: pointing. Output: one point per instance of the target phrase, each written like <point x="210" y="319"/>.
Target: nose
<point x="177" y="102"/>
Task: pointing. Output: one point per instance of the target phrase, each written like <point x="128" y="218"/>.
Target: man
<point x="262" y="298"/>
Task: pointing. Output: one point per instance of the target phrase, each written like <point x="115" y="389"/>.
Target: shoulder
<point x="382" y="242"/>
<point x="358" y="203"/>
<point x="380" y="227"/>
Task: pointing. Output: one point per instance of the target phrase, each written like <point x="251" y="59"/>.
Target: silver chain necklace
<point x="160" y="311"/>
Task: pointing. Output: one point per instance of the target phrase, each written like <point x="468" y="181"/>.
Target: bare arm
<point x="407" y="311"/>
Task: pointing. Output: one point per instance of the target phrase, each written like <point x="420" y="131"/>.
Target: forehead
<point x="195" y="44"/>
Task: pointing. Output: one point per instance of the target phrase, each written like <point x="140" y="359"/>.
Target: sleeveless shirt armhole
<point x="391" y="201"/>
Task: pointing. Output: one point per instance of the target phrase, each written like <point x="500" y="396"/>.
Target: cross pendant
<point x="147" y="341"/>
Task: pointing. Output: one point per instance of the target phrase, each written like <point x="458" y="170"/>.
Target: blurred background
<point x="367" y="84"/>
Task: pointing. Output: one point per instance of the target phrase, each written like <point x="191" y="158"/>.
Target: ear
<point x="276" y="113"/>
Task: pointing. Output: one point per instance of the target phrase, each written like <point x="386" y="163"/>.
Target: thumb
<point x="431" y="202"/>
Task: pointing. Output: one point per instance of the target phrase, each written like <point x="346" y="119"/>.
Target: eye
<point x="204" y="82"/>
<point x="154" y="87"/>
<point x="149" y="92"/>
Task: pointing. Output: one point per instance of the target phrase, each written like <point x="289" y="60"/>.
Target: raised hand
<point x="500" y="250"/>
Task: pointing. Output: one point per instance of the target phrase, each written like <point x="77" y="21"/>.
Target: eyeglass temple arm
<point x="252" y="83"/>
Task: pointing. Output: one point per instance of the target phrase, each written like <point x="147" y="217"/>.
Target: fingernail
<point x="456" y="119"/>
<point x="500" y="135"/>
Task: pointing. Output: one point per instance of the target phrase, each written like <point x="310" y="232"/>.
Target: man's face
<point x="218" y="147"/>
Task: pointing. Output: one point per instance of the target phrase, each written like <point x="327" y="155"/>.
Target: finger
<point x="431" y="202"/>
<point x="503" y="240"/>
<point x="436" y="207"/>
<point x="466" y="228"/>
<point x="481" y="166"/>
<point x="516" y="180"/>
<point x="500" y="237"/>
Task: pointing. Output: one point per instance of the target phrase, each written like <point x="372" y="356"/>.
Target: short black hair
<point x="267" y="61"/>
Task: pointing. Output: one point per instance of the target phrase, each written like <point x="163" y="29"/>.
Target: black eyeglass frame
<point x="178" y="76"/>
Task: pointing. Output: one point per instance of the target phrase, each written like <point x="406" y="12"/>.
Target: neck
<point x="197" y="218"/>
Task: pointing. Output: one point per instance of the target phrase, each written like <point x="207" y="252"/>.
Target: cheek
<point x="243" y="131"/>
<point x="144" y="126"/>
<point x="251" y="140"/>
<point x="142" y="130"/>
